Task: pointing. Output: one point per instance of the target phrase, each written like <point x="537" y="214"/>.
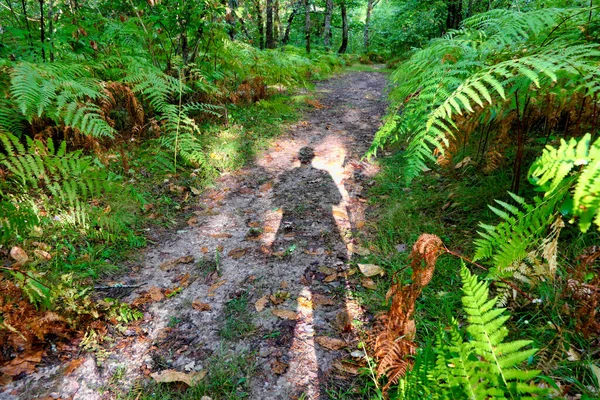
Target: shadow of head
<point x="306" y="155"/>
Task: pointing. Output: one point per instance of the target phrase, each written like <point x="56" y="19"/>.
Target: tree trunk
<point x="51" y="28"/>
<point x="231" y="18"/>
<point x="270" y="40"/>
<point x="327" y="24"/>
<point x="370" y="5"/>
<point x="307" y="25"/>
<point x="454" y="17"/>
<point x="286" y="36"/>
<point x="344" y="45"/>
<point x="259" y="24"/>
<point x="42" y="30"/>
<point x="276" y="22"/>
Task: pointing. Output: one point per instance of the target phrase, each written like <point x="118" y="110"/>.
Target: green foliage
<point x="484" y="365"/>
<point x="554" y="169"/>
<point x="64" y="93"/>
<point x="570" y="177"/>
<point x="485" y="72"/>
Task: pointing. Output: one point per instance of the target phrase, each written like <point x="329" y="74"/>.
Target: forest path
<point x="270" y="246"/>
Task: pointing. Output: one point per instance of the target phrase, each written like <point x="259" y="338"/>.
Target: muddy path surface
<point x="264" y="268"/>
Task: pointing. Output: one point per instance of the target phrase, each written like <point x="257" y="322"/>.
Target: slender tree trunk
<point x="260" y="25"/>
<point x="307" y="24"/>
<point x="51" y="28"/>
<point x="232" y="18"/>
<point x="276" y="22"/>
<point x="286" y="36"/>
<point x="27" y="23"/>
<point x="327" y="24"/>
<point x="454" y="16"/>
<point x="42" y="30"/>
<point x="344" y="45"/>
<point x="370" y="5"/>
<point x="270" y="39"/>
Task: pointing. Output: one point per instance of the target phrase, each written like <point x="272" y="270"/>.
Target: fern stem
<point x="24" y="273"/>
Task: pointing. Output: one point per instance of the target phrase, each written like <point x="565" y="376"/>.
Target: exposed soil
<point x="279" y="233"/>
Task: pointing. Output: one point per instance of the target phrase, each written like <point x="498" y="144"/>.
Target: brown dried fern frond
<point x="393" y="344"/>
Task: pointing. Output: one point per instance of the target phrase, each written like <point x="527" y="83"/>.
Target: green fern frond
<point x="576" y="161"/>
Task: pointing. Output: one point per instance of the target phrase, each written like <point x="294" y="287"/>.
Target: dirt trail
<point x="279" y="227"/>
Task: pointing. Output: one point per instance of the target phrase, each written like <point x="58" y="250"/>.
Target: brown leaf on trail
<point x="184" y="280"/>
<point x="261" y="303"/>
<point x="23" y="363"/>
<point x="198" y="305"/>
<point x="265" y="187"/>
<point x="343" y="321"/>
<point x="42" y="255"/>
<point x="279" y="367"/>
<point x="346" y="367"/>
<point x="326" y="270"/>
<point x="340" y="214"/>
<point x="284" y="314"/>
<point x="266" y="250"/>
<point x="176" y="189"/>
<point x="368" y="283"/>
<point x="238" y="253"/>
<point x="192" y="221"/>
<point x="156" y="293"/>
<point x="170" y="375"/>
<point x="73" y="365"/>
<point x="283" y="285"/>
<point x="322" y="300"/>
<point x="204" y="249"/>
<point x="330" y="278"/>
<point x="253" y="224"/>
<point x="360" y="224"/>
<point x="369" y="270"/>
<point x="148" y="207"/>
<point x="19" y="255"/>
<point x="5" y="379"/>
<point x="195" y="191"/>
<point x="221" y="235"/>
<point x="220" y="248"/>
<point x="303" y="302"/>
<point x="330" y="343"/>
<point x="351" y="272"/>
<point x="213" y="288"/>
<point x="181" y="260"/>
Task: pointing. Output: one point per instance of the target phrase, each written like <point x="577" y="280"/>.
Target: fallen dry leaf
<point x="213" y="288"/>
<point x="261" y="303"/>
<point x="204" y="249"/>
<point x="330" y="343"/>
<point x="368" y="283"/>
<point x="360" y="224"/>
<point x="279" y="367"/>
<point x="303" y="302"/>
<point x="19" y="255"/>
<point x="170" y="375"/>
<point x="361" y="251"/>
<point x="346" y="367"/>
<point x="195" y="192"/>
<point x="5" y="379"/>
<point x="322" y="300"/>
<point x="42" y="246"/>
<point x="369" y="270"/>
<point x="284" y="314"/>
<point x="266" y="187"/>
<point x="326" y="270"/>
<point x="238" y="253"/>
<point x="220" y="235"/>
<point x="72" y="366"/>
<point x="340" y="214"/>
<point x="283" y="285"/>
<point x="198" y="305"/>
<point x="192" y="221"/>
<point x="330" y="278"/>
<point x="181" y="260"/>
<point x="156" y="293"/>
<point x="42" y="255"/>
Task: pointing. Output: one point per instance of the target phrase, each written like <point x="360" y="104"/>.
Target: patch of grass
<point x="227" y="378"/>
<point x="238" y="318"/>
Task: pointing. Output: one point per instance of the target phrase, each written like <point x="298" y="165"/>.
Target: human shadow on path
<point x="306" y="196"/>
